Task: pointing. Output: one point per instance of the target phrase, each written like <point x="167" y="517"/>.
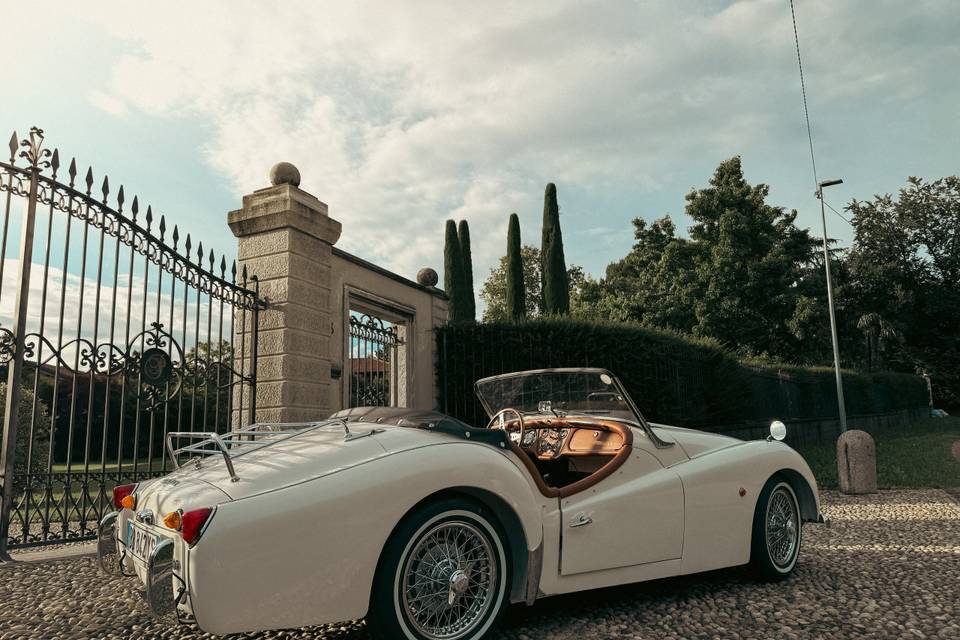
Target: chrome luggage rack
<point x="241" y="441"/>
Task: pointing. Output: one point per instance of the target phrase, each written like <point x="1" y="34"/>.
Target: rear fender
<point x="306" y="554"/>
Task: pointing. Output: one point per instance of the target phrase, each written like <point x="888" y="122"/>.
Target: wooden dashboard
<point x="562" y="437"/>
<point x="588" y="442"/>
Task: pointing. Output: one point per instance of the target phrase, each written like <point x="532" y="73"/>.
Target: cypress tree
<point x="554" y="285"/>
<point x="453" y="273"/>
<point x="466" y="258"/>
<point x="516" y="294"/>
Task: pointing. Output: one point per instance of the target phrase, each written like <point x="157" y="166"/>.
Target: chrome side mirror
<point x="778" y="431"/>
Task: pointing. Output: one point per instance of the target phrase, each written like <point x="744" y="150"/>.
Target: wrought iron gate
<point x="374" y="361"/>
<point x="115" y="335"/>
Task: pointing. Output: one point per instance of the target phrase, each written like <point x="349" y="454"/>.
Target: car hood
<point x="695" y="443"/>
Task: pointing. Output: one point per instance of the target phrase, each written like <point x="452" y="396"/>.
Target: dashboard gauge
<point x="529" y="437"/>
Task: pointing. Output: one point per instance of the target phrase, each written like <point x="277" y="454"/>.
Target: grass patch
<point x="111" y="467"/>
<point x="916" y="455"/>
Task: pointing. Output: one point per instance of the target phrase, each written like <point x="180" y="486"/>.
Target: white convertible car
<point x="429" y="527"/>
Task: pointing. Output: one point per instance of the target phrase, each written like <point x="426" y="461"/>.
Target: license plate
<point x="140" y="542"/>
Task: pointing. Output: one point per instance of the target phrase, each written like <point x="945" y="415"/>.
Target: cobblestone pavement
<point x="889" y="568"/>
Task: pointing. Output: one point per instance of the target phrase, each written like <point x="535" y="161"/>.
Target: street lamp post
<point x="833" y="319"/>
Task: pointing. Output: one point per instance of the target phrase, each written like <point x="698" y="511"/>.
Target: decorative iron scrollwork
<point x="373" y="357"/>
<point x="8" y="345"/>
<point x="160" y="375"/>
<point x="33" y="150"/>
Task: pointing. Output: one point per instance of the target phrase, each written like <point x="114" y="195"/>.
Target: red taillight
<point x="191" y="523"/>
<point x="120" y="492"/>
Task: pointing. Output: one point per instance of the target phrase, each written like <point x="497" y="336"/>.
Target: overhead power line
<point x="806" y="112"/>
<point x="803" y="89"/>
<point x="839" y="215"/>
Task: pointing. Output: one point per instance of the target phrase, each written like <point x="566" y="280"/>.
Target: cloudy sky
<point x="400" y="115"/>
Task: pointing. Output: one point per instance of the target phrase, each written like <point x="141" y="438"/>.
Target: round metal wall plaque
<point x="156" y="368"/>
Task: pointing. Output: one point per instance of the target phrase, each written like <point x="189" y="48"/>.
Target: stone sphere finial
<point x="428" y="277"/>
<point x="284" y="173"/>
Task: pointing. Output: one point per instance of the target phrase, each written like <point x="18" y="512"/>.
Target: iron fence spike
<point x="187" y="245"/>
<point x="99" y="363"/>
<point x="13" y="147"/>
<point x="244" y="273"/>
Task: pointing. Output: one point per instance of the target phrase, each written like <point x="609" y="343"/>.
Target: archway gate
<point x="114" y="330"/>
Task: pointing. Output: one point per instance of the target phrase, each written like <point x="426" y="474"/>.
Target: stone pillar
<point x="285" y="238"/>
<point x="856" y="462"/>
<point x="438" y="317"/>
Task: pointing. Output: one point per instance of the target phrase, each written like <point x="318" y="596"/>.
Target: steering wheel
<point x="500" y="417"/>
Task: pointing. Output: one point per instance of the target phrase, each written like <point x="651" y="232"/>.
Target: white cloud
<point x="65" y="309"/>
<point x="109" y="103"/>
<point x="400" y="115"/>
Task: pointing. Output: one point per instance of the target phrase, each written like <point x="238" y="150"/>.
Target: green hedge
<point x="674" y="379"/>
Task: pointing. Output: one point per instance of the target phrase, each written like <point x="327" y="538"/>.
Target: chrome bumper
<point x="165" y="589"/>
<point x="108" y="546"/>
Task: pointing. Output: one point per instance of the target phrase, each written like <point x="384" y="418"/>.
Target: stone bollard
<point x="856" y="462"/>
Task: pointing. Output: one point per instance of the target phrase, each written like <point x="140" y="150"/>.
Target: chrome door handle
<point x="580" y="520"/>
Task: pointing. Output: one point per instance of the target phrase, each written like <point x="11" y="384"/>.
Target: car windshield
<point x="585" y="391"/>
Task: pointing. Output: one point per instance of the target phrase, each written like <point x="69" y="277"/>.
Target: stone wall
<point x="286" y="237"/>
<point x="824" y="430"/>
<point x="417" y="308"/>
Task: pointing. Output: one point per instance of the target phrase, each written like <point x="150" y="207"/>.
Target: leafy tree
<point x="876" y="330"/>
<point x="737" y="278"/>
<point x="652" y="284"/>
<point x="554" y="284"/>
<point x="453" y="274"/>
<point x="905" y="268"/>
<point x="494" y="291"/>
<point x="516" y="304"/>
<point x="748" y="263"/>
<point x="466" y="257"/>
<point x="207" y="351"/>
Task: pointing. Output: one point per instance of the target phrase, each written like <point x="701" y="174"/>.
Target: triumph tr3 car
<point x="428" y="527"/>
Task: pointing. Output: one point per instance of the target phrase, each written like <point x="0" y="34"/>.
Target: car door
<point x="632" y="517"/>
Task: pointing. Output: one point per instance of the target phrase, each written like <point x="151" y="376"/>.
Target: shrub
<point x="41" y="432"/>
<point x="673" y="379"/>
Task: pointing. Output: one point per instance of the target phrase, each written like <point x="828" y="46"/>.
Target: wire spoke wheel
<point x="782" y="527"/>
<point x="449" y="580"/>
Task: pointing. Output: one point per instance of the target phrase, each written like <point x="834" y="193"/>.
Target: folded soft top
<point x="421" y="419"/>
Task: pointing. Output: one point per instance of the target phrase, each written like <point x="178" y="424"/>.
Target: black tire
<point x="394" y="612"/>
<point x="777" y="531"/>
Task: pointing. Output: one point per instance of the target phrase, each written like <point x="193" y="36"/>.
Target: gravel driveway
<point x="889" y="568"/>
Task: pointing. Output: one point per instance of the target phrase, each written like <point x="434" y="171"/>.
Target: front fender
<point x="718" y="519"/>
<point x="306" y="554"/>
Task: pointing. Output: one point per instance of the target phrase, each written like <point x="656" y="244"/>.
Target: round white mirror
<point x="778" y="430"/>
